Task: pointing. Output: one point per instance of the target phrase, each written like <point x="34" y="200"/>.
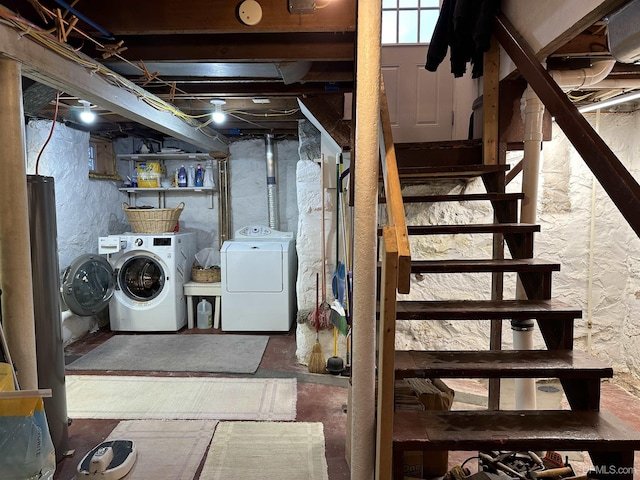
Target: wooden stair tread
<point x="512" y="430"/>
<point x="500" y="364"/>
<point x="494" y="197"/>
<point x="420" y="173"/>
<point x="473" y="228"/>
<point x="484" y="265"/>
<point x="484" y="310"/>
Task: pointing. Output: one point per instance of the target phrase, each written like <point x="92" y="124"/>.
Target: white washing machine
<point x="258" y="269"/>
<point x="141" y="278"/>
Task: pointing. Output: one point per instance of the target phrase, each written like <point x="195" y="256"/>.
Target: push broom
<point x="316" y="360"/>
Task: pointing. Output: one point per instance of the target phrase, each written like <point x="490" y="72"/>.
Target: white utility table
<point x="201" y="289"/>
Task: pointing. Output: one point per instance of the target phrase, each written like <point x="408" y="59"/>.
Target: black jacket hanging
<point x="465" y="27"/>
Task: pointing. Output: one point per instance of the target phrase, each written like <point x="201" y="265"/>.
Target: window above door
<point x="408" y="21"/>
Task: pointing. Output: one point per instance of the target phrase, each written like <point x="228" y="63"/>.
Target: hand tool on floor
<point x="551" y="472"/>
<point x="335" y="364"/>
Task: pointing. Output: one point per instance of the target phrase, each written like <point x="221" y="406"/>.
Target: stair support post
<point x="386" y="355"/>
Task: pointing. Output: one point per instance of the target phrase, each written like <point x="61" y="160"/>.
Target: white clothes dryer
<point x="258" y="270"/>
<point x="141" y="278"/>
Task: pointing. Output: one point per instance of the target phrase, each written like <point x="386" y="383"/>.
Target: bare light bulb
<point x="218" y="115"/>
<point x="86" y="115"/>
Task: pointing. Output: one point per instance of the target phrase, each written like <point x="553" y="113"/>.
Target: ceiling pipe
<point x="522" y="330"/>
<point x="623" y="84"/>
<point x="582" y="77"/>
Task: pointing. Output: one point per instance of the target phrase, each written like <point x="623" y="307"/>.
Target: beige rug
<point x="167" y="449"/>
<point x="251" y="450"/>
<point x="181" y="398"/>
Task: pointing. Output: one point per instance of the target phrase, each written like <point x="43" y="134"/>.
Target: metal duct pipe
<point x="272" y="189"/>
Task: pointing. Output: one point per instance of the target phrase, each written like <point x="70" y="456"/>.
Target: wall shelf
<point x="163" y="191"/>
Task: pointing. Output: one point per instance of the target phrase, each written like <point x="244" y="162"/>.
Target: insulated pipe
<point x="367" y="127"/>
<point x="582" y="77"/>
<point x="15" y="246"/>
<point x="272" y="189"/>
<point x="525" y="390"/>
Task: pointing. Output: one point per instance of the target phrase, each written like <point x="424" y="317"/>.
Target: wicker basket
<point x="153" y="220"/>
<point x="205" y="275"/>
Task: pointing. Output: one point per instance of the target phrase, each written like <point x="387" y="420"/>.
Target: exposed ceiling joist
<point x="49" y="68"/>
<point x="122" y="17"/>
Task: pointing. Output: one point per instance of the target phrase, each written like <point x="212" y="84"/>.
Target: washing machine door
<point x="88" y="284"/>
<point x="140" y="277"/>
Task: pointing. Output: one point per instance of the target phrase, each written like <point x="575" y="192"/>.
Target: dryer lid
<point x="88" y="284"/>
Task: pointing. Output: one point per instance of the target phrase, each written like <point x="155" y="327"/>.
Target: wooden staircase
<point x="610" y="443"/>
<point x="583" y="428"/>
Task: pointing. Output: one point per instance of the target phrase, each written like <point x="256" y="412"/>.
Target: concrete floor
<point x="322" y="398"/>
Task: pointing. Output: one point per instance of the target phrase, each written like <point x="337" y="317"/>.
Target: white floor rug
<point x="167" y="449"/>
<point x="252" y="450"/>
<point x="181" y="398"/>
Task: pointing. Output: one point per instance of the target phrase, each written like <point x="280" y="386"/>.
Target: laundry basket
<point x="153" y="220"/>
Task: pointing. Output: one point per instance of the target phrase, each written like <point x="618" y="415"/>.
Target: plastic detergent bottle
<point x="199" y="176"/>
<point x="204" y="314"/>
<point x="182" y="176"/>
<point x="191" y="176"/>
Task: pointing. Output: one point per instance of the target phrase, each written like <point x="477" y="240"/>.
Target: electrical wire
<point x="46" y="39"/>
<point x="53" y="124"/>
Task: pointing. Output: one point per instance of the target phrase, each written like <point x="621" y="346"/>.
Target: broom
<point x="316" y="360"/>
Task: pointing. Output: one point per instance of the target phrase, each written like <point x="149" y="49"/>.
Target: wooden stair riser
<point x="446" y="153"/>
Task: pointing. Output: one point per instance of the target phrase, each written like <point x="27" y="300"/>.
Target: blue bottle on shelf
<point x="182" y="177"/>
<point x="199" y="176"/>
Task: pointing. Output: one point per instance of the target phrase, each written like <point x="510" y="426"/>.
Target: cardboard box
<point x="433" y="394"/>
<point x="149" y="174"/>
<point x="6" y="378"/>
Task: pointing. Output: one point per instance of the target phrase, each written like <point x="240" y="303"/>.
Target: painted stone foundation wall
<point x="580" y="228"/>
<point x="88" y="208"/>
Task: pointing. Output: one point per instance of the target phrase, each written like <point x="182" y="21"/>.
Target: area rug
<point x="181" y="398"/>
<point x="176" y="353"/>
<point x="167" y="449"/>
<point x="284" y="451"/>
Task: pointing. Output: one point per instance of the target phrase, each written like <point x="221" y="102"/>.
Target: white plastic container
<point x="205" y="316"/>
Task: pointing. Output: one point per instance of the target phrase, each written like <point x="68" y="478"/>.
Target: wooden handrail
<point x="616" y="180"/>
<point x="393" y="193"/>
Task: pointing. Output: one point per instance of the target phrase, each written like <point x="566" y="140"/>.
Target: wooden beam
<point x="619" y="184"/>
<point x="122" y="17"/>
<point x="267" y="47"/>
<point x="49" y="68"/>
<point x="491" y="75"/>
<point x="393" y="193"/>
<point x="386" y="354"/>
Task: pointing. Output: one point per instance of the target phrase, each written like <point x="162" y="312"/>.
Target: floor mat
<point x="167" y="449"/>
<point x="286" y="451"/>
<point x="176" y="353"/>
<point x="130" y="398"/>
